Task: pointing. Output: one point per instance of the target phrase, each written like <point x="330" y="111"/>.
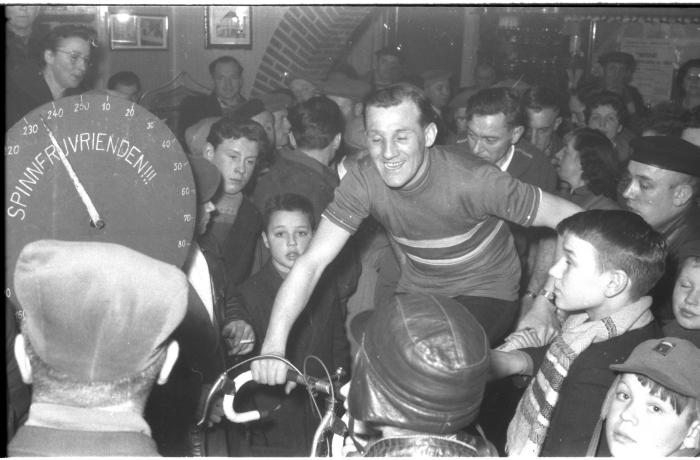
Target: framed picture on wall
<point x="228" y="27"/>
<point x="136" y="32"/>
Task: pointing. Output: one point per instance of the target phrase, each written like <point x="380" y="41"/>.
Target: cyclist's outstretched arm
<point x="292" y="297"/>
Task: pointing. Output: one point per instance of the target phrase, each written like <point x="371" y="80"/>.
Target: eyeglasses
<point x="75" y="57"/>
<point x="691" y="77"/>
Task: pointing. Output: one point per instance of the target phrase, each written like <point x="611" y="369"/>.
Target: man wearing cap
<point x="442" y="208"/>
<point x="276" y="102"/>
<point x="618" y="68"/>
<point x="652" y="408"/>
<point x="349" y="94"/>
<point x="304" y="87"/>
<point x="660" y="184"/>
<point x="97" y="320"/>
<point x="227" y="76"/>
<point x="387" y="67"/>
<point x="418" y="378"/>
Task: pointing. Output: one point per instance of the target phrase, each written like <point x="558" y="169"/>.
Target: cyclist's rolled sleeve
<point x="351" y="203"/>
<point x="509" y="198"/>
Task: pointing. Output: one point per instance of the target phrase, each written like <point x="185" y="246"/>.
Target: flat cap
<point x="343" y="86"/>
<point x="206" y="178"/>
<point x="617" y="56"/>
<point x="432" y="76"/>
<point x="196" y="135"/>
<point x="276" y="100"/>
<point x="98" y="312"/>
<point x="671" y="362"/>
<point x="667" y="152"/>
<point x="291" y="76"/>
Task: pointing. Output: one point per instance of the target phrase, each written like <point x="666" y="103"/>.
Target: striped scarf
<point x="528" y="429"/>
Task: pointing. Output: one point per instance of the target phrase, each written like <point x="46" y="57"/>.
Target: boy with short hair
<point x="319" y="331"/>
<point x="686" y="301"/>
<point x="653" y="407"/>
<point x="611" y="259"/>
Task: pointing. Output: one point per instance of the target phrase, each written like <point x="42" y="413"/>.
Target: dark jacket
<point x="237" y="252"/>
<point x="25" y="90"/>
<point x="195" y="108"/>
<point x="683" y="232"/>
<point x="584" y="389"/>
<point x="318" y="331"/>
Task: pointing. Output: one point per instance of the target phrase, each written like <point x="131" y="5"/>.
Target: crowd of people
<point x="499" y="270"/>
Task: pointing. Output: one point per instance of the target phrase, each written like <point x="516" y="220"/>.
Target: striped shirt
<point x="450" y="224"/>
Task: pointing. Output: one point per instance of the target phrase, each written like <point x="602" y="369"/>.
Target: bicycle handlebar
<point x="230" y="390"/>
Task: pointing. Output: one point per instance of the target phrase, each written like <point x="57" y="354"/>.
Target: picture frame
<point x="138" y="32"/>
<point x="228" y="27"/>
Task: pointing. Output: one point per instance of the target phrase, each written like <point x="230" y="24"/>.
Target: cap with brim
<point x="206" y="178"/>
<point x="196" y="135"/>
<point x="430" y="77"/>
<point x="97" y="312"/>
<point x="290" y="77"/>
<point x="422" y="364"/>
<point x="617" y="56"/>
<point x="342" y="86"/>
<point x="275" y="101"/>
<point x="667" y="152"/>
<point x="671" y="362"/>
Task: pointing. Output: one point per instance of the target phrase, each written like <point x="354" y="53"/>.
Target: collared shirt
<point x="64" y="417"/>
<point x="507" y="159"/>
<point x="197" y="271"/>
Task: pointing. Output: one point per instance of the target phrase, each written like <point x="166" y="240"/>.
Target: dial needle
<point x="95" y="218"/>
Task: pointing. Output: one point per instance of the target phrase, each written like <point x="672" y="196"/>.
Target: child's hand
<point x="524" y="338"/>
<point x="239" y="337"/>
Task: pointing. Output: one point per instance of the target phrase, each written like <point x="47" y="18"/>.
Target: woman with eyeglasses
<point x="64" y="60"/>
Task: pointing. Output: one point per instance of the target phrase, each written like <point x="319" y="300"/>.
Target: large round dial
<point x="97" y="167"/>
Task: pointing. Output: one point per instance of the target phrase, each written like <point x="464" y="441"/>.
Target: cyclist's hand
<point x="269" y="371"/>
<point x="239" y="337"/>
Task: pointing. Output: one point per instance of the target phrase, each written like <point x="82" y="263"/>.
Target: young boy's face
<point x="287" y="236"/>
<point x="686" y="296"/>
<point x="641" y="424"/>
<point x="579" y="284"/>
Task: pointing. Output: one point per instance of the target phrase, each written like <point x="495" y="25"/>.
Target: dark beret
<point x="667" y="152"/>
<point x="617" y="56"/>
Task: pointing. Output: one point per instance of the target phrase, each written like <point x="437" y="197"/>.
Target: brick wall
<point x="308" y="40"/>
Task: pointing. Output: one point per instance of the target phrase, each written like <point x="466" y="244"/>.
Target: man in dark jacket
<point x="227" y="76"/>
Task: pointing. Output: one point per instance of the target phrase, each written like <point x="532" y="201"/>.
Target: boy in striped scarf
<point x="610" y="260"/>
